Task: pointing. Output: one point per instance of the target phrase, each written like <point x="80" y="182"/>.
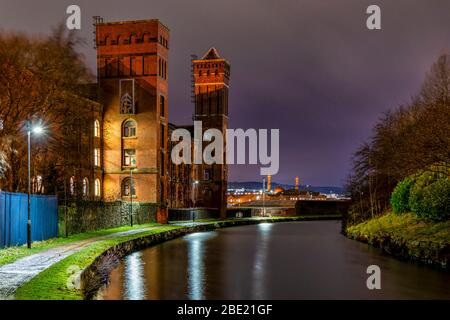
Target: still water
<point x="296" y="260"/>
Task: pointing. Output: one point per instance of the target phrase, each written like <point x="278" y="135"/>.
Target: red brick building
<point x="132" y="144"/>
<point x="132" y="63"/>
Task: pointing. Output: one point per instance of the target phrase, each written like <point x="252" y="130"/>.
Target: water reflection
<point x="134" y="288"/>
<point x="196" y="264"/>
<point x="260" y="266"/>
<point x="301" y="260"/>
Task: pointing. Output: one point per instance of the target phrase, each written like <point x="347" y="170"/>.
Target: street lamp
<point x="131" y="197"/>
<point x="194" y="183"/>
<point x="37" y="130"/>
<point x="264" y="196"/>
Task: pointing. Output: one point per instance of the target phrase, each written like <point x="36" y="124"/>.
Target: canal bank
<point x="407" y="237"/>
<point x="52" y="283"/>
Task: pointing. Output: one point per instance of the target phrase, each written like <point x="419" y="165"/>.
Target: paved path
<point x="13" y="275"/>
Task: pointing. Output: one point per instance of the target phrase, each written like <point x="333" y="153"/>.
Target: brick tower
<point x="211" y="76"/>
<point x="132" y="63"/>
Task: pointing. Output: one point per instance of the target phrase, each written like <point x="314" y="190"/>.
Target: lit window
<point x="85" y="187"/>
<point x="207" y="174"/>
<point x="129" y="157"/>
<point x="128" y="187"/>
<point x="97" y="157"/>
<point x="36" y="183"/>
<point x="72" y="185"/>
<point x="129" y="129"/>
<point x="96" y="128"/>
<point x="97" y="191"/>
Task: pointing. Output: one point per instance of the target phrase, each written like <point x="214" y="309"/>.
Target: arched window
<point x="72" y="185"/>
<point x="97" y="157"/>
<point x="96" y="128"/>
<point x="36" y="183"/>
<point x="85" y="187"/>
<point x="146" y="37"/>
<point x="121" y="39"/>
<point x="128" y="187"/>
<point x="97" y="190"/>
<point x="129" y="129"/>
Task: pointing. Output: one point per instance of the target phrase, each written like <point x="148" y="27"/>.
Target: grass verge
<point x="407" y="236"/>
<point x="406" y="226"/>
<point x="51" y="284"/>
<point x="11" y="254"/>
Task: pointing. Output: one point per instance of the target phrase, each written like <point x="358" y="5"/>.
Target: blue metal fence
<point x="14" y="216"/>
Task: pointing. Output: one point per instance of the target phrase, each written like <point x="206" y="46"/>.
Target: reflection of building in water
<point x="260" y="263"/>
<point x="134" y="277"/>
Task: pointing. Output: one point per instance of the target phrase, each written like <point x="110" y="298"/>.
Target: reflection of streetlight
<point x="37" y="130"/>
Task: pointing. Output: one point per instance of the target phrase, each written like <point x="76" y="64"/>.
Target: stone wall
<point x="86" y="216"/>
<point x="321" y="207"/>
<point x="180" y="214"/>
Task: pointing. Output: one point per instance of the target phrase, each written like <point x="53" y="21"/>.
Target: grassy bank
<point x="11" y="254"/>
<point x="408" y="237"/>
<point x="51" y="284"/>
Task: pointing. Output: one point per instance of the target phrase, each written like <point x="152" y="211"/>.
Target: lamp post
<point x="37" y="130"/>
<point x="131" y="197"/>
<point x="194" y="183"/>
<point x="264" y="196"/>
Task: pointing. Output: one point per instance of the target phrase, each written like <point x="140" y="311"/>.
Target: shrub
<point x="400" y="195"/>
<point x="430" y="196"/>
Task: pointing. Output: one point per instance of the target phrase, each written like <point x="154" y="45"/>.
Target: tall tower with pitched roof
<point x="211" y="76"/>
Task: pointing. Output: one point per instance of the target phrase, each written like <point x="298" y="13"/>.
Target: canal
<point x="296" y="260"/>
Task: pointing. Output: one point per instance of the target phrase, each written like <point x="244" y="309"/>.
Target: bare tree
<point x="43" y="80"/>
<point x="404" y="141"/>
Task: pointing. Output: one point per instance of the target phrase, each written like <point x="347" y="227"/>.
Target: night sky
<point x="310" y="68"/>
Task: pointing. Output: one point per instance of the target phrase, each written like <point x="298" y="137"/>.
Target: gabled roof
<point x="211" y="54"/>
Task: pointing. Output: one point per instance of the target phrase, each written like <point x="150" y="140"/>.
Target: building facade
<point x="211" y="75"/>
<point x="204" y="185"/>
<point x="132" y="65"/>
<point x="128" y="145"/>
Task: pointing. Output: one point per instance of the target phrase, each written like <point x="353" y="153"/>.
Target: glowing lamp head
<point x="38" y="129"/>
